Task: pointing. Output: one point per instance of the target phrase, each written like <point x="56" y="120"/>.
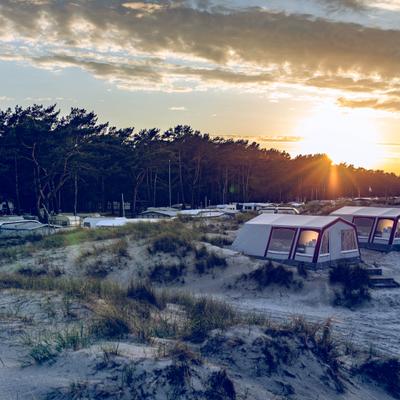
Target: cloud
<point x="139" y="5"/>
<point x="172" y="46"/>
<point x="180" y="108"/>
<point x="389" y="104"/>
<point x="338" y="5"/>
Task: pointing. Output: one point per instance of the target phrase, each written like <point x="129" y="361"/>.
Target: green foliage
<point x="48" y="345"/>
<point x="105" y="161"/>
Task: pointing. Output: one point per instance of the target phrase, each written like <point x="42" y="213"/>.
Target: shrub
<point x="269" y="274"/>
<point x="302" y="270"/>
<point x="318" y="337"/>
<point x="219" y="241"/>
<point x="29" y="271"/>
<point x="50" y="344"/>
<point x="166" y="273"/>
<point x="205" y="315"/>
<point x="97" y="269"/>
<point x="142" y="292"/>
<point x="354" y="281"/>
<point x="221" y="387"/>
<point x="200" y="253"/>
<point x="53" y="241"/>
<point x="206" y="260"/>
<point x="209" y="262"/>
<point x="171" y="243"/>
<point x="241" y="218"/>
<point x="213" y="260"/>
<point x="119" y="248"/>
<point x="385" y="372"/>
<point x="42" y="352"/>
<point x="110" y="323"/>
<point x="180" y="352"/>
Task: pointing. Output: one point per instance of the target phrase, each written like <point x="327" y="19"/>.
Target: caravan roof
<point x="306" y="221"/>
<point x="368" y="211"/>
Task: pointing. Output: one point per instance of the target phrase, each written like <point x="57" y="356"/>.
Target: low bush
<point x="42" y="352"/>
<point x="97" y="268"/>
<point x="30" y="271"/>
<point x="143" y="292"/>
<point x="354" y="284"/>
<point x="209" y="262"/>
<point x="219" y="241"/>
<point x="384" y="372"/>
<point x="166" y="273"/>
<point x="269" y="274"/>
<point x="171" y="243"/>
<point x="48" y="345"/>
<point x="204" y="315"/>
<point x="243" y="217"/>
<point x="206" y="260"/>
<point x="318" y="337"/>
<point x="220" y="387"/>
<point x="53" y="241"/>
<point x="181" y="353"/>
<point x="119" y="248"/>
<point x="110" y="323"/>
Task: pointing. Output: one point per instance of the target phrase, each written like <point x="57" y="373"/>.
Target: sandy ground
<point x="373" y="327"/>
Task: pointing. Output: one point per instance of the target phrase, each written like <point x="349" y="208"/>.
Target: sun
<point x="349" y="136"/>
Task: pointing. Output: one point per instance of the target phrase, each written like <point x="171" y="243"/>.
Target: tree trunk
<point x="17" y="198"/>
<point x="75" y="193"/>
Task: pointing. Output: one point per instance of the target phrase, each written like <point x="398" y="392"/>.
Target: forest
<point x="72" y="163"/>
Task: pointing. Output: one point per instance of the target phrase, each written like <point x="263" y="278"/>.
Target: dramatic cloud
<point x="390" y="104"/>
<point x="173" y="46"/>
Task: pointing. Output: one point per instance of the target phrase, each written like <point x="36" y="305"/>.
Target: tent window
<point x="384" y="229"/>
<point x="281" y="240"/>
<point x="307" y="242"/>
<point x="364" y="226"/>
<point x="397" y="234"/>
<point x="325" y="243"/>
<point x="348" y="240"/>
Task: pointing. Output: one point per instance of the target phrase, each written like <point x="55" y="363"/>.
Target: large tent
<point x="377" y="227"/>
<point x="298" y="239"/>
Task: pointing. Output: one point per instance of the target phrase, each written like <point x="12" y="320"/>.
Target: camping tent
<point x="298" y="239"/>
<point x="377" y="227"/>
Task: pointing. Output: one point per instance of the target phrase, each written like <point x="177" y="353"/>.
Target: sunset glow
<point x="345" y="136"/>
<point x="300" y="76"/>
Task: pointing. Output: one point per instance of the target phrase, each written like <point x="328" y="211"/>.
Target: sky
<point x="311" y="76"/>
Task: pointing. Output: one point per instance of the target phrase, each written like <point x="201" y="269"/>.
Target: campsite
<point x="199" y="200"/>
<point x="52" y="281"/>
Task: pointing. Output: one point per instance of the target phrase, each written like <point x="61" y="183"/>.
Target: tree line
<point x="73" y="163"/>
